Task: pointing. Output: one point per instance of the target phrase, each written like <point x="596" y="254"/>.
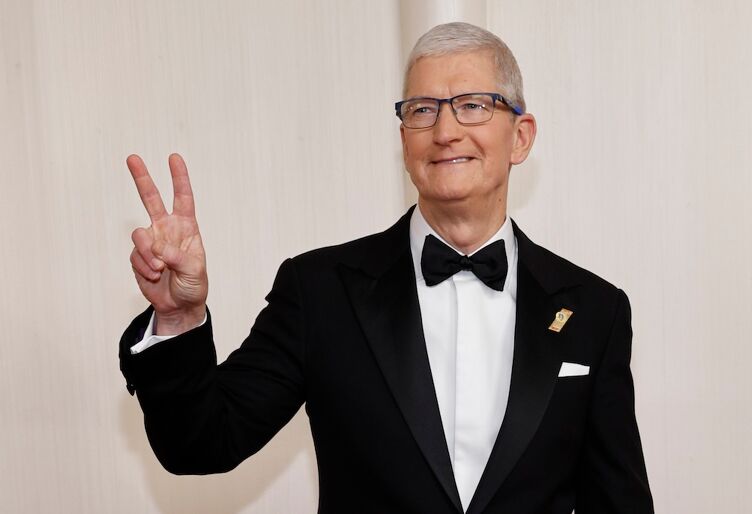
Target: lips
<point x="453" y="160"/>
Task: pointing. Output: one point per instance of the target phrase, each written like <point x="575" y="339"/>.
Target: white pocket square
<point x="571" y="369"/>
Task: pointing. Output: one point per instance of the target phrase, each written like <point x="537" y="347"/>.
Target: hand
<point x="168" y="258"/>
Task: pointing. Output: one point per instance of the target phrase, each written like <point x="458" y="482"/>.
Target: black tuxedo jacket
<point x="342" y="334"/>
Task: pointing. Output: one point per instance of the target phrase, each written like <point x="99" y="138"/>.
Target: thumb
<point x="173" y="256"/>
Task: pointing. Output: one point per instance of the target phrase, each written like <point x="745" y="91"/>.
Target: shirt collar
<point x="419" y="229"/>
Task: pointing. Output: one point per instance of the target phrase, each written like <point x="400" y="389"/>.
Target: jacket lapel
<point x="383" y="294"/>
<point x="535" y="363"/>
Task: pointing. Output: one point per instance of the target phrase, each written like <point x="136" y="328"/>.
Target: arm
<point x="200" y="417"/>
<point x="612" y="476"/>
<point x="203" y="418"/>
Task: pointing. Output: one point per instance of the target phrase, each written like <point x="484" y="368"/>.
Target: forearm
<point x="204" y="418"/>
<point x="174" y="382"/>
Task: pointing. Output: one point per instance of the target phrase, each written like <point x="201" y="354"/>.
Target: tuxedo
<point x="342" y="334"/>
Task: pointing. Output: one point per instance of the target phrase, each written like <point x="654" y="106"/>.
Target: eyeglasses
<point x="468" y="109"/>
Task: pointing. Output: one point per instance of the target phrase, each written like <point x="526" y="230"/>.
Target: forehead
<point x="452" y="74"/>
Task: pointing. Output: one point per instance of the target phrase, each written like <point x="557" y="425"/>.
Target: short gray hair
<point x="458" y="37"/>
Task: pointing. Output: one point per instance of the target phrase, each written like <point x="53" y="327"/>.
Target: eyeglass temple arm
<point x="509" y="104"/>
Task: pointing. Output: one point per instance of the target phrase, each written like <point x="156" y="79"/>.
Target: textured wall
<point x="641" y="172"/>
<point x="282" y="111"/>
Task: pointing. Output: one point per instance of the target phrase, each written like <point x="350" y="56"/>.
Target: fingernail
<point x="156" y="264"/>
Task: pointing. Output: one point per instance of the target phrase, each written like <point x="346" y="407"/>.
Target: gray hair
<point x="458" y="37"/>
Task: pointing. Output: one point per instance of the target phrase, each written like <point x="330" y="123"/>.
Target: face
<point x="449" y="162"/>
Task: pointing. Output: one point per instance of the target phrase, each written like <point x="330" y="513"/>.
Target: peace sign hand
<point x="168" y="258"/>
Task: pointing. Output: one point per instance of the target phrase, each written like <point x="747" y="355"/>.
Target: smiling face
<point x="451" y="163"/>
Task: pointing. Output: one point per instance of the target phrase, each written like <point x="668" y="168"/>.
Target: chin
<point x="452" y="188"/>
<point x="446" y="196"/>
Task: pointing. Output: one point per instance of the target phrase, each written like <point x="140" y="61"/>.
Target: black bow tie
<point x="439" y="262"/>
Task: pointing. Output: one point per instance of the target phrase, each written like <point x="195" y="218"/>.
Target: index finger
<point x="182" y="203"/>
<point x="148" y="192"/>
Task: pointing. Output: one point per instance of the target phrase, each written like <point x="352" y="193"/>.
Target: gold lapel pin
<point x="560" y="320"/>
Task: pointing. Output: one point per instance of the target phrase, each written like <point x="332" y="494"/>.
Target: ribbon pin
<point x="560" y="320"/>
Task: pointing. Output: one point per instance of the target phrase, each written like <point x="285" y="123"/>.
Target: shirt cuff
<point x="150" y="339"/>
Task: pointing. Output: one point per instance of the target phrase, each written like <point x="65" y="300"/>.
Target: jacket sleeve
<point x="202" y="418"/>
<point x="612" y="476"/>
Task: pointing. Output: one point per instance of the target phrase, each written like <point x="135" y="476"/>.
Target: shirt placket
<point x="465" y="440"/>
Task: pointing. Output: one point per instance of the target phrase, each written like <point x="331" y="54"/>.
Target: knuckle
<point x="145" y="253"/>
<point x="138" y="268"/>
<point x="157" y="247"/>
<point x="140" y="237"/>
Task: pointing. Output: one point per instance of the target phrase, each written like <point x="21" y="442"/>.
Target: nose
<point x="447" y="129"/>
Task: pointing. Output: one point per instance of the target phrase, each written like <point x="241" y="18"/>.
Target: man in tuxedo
<point x="447" y="365"/>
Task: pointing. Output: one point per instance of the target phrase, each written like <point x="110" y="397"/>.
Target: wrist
<point x="176" y="323"/>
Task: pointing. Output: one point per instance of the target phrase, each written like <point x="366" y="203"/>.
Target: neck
<point x="465" y="227"/>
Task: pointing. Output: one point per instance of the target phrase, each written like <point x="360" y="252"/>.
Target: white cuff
<point x="150" y="339"/>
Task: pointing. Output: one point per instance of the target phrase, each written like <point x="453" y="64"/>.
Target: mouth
<point x="453" y="160"/>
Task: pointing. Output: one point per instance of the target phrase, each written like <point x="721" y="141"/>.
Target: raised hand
<point x="168" y="258"/>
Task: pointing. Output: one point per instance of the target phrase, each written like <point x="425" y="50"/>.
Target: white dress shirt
<point x="469" y="332"/>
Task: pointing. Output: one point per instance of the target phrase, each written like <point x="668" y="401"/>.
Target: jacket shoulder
<point x="370" y="253"/>
<point x="555" y="272"/>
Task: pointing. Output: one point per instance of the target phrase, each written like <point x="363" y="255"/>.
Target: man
<point x="447" y="364"/>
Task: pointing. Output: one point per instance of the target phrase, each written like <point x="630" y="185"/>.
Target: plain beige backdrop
<point x="642" y="172"/>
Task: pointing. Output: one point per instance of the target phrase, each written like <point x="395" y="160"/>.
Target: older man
<point x="448" y="364"/>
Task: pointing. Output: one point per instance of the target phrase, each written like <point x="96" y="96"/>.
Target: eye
<point x="422" y="107"/>
<point x="471" y="106"/>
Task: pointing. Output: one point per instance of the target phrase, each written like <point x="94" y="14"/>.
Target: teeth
<point x="460" y="159"/>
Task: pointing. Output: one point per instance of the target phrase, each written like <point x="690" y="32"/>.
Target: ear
<point x="525" y="129"/>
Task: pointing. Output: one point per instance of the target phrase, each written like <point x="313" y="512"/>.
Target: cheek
<point x="496" y="142"/>
<point x="411" y="152"/>
<point x="498" y="152"/>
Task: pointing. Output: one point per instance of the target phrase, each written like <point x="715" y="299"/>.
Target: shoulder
<point x="369" y="253"/>
<point x="552" y="270"/>
<point x="560" y="276"/>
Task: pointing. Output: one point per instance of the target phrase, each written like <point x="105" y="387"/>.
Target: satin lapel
<point x="388" y="311"/>
<point x="534" y="372"/>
